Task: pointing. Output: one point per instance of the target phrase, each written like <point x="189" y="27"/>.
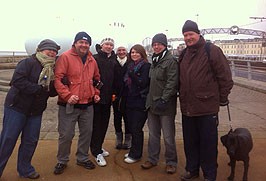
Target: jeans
<point x="118" y="115"/>
<point x="136" y="120"/>
<point x="200" y="144"/>
<point x="166" y="124"/>
<point x="15" y="123"/>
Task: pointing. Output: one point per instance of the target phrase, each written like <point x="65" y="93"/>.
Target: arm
<point x="223" y="74"/>
<point x="21" y="79"/>
<point x="61" y="71"/>
<point x="171" y="82"/>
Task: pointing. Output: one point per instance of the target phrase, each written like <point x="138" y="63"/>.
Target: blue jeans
<point x="15" y="123"/>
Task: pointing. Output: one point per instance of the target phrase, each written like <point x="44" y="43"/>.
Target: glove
<point x="224" y="103"/>
<point x="65" y="80"/>
<point x="160" y="105"/>
<point x="97" y="84"/>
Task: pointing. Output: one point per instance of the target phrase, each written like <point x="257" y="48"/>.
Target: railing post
<point x="233" y="68"/>
<point x="249" y="70"/>
<point x="13" y="57"/>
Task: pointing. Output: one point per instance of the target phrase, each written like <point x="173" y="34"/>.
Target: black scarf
<point x="157" y="57"/>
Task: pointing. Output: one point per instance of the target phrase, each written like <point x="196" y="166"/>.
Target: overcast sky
<point x="25" y="19"/>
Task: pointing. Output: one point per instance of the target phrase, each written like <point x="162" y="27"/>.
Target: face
<point x="107" y="47"/>
<point x="50" y="53"/>
<point x="135" y="56"/>
<point x="82" y="47"/>
<point x="158" y="47"/>
<point x="121" y="52"/>
<point x="191" y="38"/>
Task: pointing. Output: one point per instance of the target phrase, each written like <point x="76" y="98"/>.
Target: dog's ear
<point x="224" y="139"/>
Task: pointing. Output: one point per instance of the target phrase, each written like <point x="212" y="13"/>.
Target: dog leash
<point x="229" y="116"/>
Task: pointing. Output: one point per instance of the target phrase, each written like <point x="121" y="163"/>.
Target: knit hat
<point x="82" y="36"/>
<point x="190" y="26"/>
<point x="160" y="38"/>
<point x="107" y="40"/>
<point x="48" y="44"/>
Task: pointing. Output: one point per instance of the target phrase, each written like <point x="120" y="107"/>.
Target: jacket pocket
<point x="204" y="96"/>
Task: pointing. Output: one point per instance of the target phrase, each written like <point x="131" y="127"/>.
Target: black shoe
<point x="34" y="175"/>
<point x="189" y="176"/>
<point x="88" y="164"/>
<point x="59" y="168"/>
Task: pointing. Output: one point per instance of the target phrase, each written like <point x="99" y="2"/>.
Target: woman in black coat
<point x="31" y="86"/>
<point x="136" y="88"/>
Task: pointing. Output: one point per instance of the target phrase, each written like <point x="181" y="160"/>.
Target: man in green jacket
<point x="161" y="105"/>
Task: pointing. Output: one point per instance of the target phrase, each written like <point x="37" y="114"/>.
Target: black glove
<point x="160" y="105"/>
<point x="97" y="84"/>
<point x="65" y="80"/>
<point x="41" y="90"/>
<point x="225" y="103"/>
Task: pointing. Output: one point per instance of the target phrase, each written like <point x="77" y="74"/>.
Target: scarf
<point x="122" y="61"/>
<point x="157" y="57"/>
<point x="47" y="73"/>
<point x="132" y="67"/>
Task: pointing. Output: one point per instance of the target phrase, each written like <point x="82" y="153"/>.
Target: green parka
<point x="163" y="84"/>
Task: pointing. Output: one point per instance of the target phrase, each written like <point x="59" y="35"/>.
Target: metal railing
<point x="248" y="69"/>
<point x="11" y="56"/>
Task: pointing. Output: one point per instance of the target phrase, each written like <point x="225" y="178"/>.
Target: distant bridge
<point x="234" y="30"/>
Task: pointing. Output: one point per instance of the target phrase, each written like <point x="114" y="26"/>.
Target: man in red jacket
<point x="75" y="99"/>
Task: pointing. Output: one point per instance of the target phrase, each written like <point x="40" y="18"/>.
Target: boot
<point x="119" y="140"/>
<point x="127" y="143"/>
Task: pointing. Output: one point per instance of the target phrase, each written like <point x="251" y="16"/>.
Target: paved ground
<point x="247" y="109"/>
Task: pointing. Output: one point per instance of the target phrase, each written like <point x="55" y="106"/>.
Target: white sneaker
<point x="105" y="153"/>
<point x="100" y="160"/>
<point x="130" y="160"/>
<point x="126" y="155"/>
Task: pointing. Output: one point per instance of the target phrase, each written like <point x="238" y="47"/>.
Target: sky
<point x="23" y="20"/>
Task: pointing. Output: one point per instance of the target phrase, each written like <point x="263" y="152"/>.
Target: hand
<point x="65" y="80"/>
<point x="160" y="105"/>
<point x="113" y="97"/>
<point x="73" y="99"/>
<point x="97" y="98"/>
<point x="224" y="103"/>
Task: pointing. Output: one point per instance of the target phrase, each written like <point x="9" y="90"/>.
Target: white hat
<point x="107" y="40"/>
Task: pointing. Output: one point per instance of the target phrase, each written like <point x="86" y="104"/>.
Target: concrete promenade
<point x="247" y="107"/>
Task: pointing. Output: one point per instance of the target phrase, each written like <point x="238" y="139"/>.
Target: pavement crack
<point x="117" y="157"/>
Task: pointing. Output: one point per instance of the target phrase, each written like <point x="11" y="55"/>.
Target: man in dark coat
<point x="205" y="83"/>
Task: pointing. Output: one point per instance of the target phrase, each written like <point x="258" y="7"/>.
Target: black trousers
<point x="100" y="125"/>
<point x="136" y="121"/>
<point x="200" y="144"/>
<point x="118" y="116"/>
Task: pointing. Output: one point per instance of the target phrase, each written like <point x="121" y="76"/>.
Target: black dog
<point x="238" y="144"/>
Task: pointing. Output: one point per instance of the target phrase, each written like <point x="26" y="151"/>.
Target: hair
<point x="140" y="49"/>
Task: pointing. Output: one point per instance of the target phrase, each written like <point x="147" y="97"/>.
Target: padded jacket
<point x="79" y="75"/>
<point x="25" y="95"/>
<point x="204" y="82"/>
<point x="164" y="85"/>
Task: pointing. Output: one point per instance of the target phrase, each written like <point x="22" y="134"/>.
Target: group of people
<point x="88" y="86"/>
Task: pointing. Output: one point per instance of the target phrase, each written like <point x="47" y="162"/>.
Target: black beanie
<point x="82" y="36"/>
<point x="190" y="26"/>
<point x="48" y="44"/>
<point x="160" y="38"/>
